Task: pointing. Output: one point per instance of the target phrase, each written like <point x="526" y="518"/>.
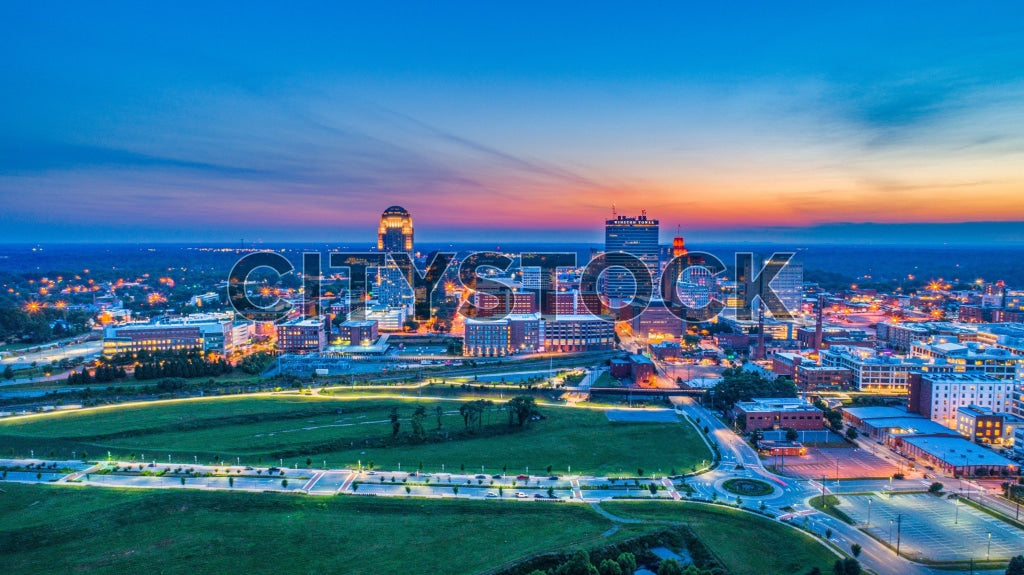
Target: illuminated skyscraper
<point x="393" y="289"/>
<point x="637" y="236"/>
<point x="395" y="231"/>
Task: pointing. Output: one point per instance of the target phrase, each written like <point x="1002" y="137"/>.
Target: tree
<point x="828" y="533"/>
<point x="8" y="372"/>
<point x="438" y="412"/>
<point x="855" y="549"/>
<point x="791" y="434"/>
<point x="670" y="567"/>
<point x="935" y="487"/>
<point x="627" y="561"/>
<point x="851" y="432"/>
<point x="455" y="489"/>
<point x="523" y="407"/>
<point x="609" y="567"/>
<point x="418" y="429"/>
<point x="1016" y="566"/>
<point x="653" y="488"/>
<point x="396" y="425"/>
<point x="848" y="566"/>
<point x="578" y="564"/>
<point x="284" y="483"/>
<point x="231" y="481"/>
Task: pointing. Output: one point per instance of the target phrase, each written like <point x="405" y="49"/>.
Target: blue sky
<point x="187" y="122"/>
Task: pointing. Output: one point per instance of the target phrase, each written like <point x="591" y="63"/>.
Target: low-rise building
<point x="982" y="425"/>
<point x="356" y="332"/>
<point x="778" y="413"/>
<point x="302" y="335"/>
<point x="956" y="455"/>
<point x="641" y="369"/>
<point x="813" y="377"/>
<point x="579" y="333"/>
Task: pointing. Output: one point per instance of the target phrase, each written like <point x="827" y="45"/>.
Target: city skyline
<point x="792" y="123"/>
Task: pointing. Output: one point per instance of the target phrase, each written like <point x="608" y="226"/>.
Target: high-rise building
<point x="395" y="231"/>
<point x="393" y="289"/>
<point x="637" y="236"/>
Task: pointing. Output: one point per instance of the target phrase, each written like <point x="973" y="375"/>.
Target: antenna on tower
<point x="643" y="213"/>
<point x="613" y="210"/>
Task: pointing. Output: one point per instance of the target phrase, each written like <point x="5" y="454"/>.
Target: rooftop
<point x="958" y="452"/>
<point x="876" y="412"/>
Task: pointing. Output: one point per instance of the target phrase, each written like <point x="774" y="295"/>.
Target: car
<point x="538" y="496"/>
<point x="248" y="468"/>
<point x="481" y="476"/>
<point x="491" y="494"/>
<point x="553" y="478"/>
<point x="520" y="495"/>
<point x="521" y="476"/>
<point x="496" y="476"/>
<point x="929" y="468"/>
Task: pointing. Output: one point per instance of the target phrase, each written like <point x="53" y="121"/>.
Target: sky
<point x="510" y="121"/>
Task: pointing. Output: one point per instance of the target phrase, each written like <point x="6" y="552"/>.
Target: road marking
<point x="312" y="481"/>
<point x="347" y="483"/>
<point x="78" y="474"/>
<point x="671" y="488"/>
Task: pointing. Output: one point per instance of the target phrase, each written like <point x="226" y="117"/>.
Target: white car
<point x="520" y="495"/>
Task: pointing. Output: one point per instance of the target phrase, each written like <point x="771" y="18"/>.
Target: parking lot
<point x="819" y="462"/>
<point x="934" y="528"/>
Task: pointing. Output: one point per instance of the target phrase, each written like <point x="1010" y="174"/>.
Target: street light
<point x="956" y="504"/>
<point x="988" y="554"/>
<point x="869" y="513"/>
<point x="890" y="532"/>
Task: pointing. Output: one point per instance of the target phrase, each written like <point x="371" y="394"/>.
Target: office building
<point x="637" y="236"/>
<point x="778" y="413"/>
<point x="577" y="333"/>
<point x="302" y="335"/>
<point x="355" y="332"/>
<point x="395" y="231"/>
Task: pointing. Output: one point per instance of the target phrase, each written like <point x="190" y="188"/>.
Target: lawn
<point x="745" y="543"/>
<point x="62" y="529"/>
<point x="346" y="432"/>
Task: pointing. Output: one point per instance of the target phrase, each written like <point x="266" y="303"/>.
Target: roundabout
<point x="747" y="487"/>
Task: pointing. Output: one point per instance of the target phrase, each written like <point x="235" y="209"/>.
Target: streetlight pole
<point x="956" y="504"/>
<point x="869" y="513"/>
<point x="988" y="554"/>
<point x="899" y="521"/>
<point x="890" y="533"/>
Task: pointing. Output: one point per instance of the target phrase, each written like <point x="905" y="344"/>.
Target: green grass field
<point x="294" y="428"/>
<point x="745" y="543"/>
<point x="55" y="529"/>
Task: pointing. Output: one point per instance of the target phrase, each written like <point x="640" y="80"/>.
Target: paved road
<point x="738" y="459"/>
